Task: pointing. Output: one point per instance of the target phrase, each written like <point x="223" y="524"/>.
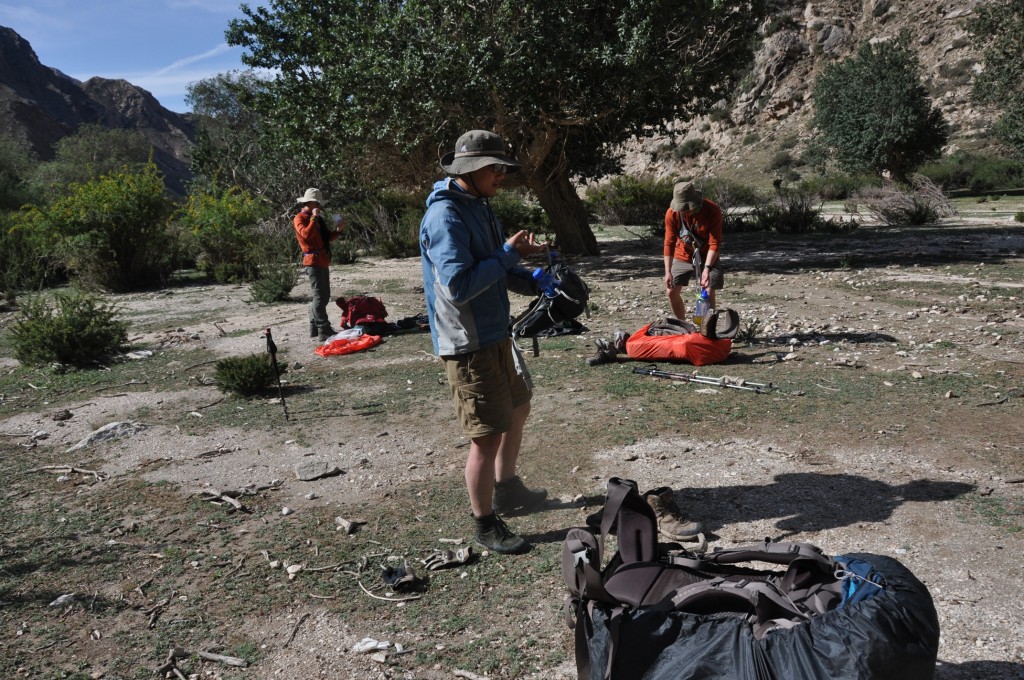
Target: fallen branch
<point x="127" y="384"/>
<point x="387" y="599"/>
<point x="468" y="675"/>
<point x="994" y="403"/>
<point x="218" y="496"/>
<point x="17" y="434"/>
<point x="212" y="403"/>
<point x="333" y="567"/>
<point x="69" y="468"/>
<point x="296" y="629"/>
<point x="220" y="658"/>
<point x="171" y="664"/>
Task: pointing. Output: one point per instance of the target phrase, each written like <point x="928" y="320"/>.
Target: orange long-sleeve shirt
<point x="706" y="225"/>
<point x="309" y="231"/>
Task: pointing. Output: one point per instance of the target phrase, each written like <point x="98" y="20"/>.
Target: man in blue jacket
<point x="468" y="268"/>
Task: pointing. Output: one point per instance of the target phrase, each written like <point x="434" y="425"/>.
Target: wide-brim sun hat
<point x="686" y="196"/>
<point x="311" y="196"/>
<point x="474" y="150"/>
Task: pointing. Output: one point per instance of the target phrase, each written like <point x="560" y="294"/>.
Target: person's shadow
<point x="808" y="502"/>
<point x="802" y="502"/>
<point x="979" y="670"/>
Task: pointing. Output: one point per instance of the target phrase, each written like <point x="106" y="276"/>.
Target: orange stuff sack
<point x="346" y="346"/>
<point x="692" y="348"/>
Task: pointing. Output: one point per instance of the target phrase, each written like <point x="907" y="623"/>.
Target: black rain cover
<point x="891" y="636"/>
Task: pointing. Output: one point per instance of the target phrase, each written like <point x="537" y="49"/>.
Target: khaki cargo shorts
<point x="682" y="272"/>
<point x="486" y="388"/>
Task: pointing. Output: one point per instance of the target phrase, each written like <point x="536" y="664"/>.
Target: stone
<point x="308" y="471"/>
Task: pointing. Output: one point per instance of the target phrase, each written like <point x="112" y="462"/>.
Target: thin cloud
<point x="209" y="54"/>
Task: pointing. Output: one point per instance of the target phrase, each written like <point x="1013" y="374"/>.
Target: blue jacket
<point x="467" y="271"/>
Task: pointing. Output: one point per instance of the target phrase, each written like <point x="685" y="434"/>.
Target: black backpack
<point x="547" y="316"/>
<point x="658" y="612"/>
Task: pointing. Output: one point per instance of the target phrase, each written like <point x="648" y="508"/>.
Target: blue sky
<point x="159" y="45"/>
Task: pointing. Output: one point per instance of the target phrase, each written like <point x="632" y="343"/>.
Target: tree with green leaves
<point x="111" y="232"/>
<point x="92" y="151"/>
<point x="999" y="27"/>
<point x="874" y="114"/>
<point x="564" y="81"/>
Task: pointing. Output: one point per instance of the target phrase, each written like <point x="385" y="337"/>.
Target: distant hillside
<point x="773" y="111"/>
<point x="40" y="105"/>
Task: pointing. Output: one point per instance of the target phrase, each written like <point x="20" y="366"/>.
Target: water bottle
<point x="701" y="308"/>
<point x="546" y="282"/>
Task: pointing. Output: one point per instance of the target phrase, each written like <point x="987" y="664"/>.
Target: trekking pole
<point x="759" y="388"/>
<point x="272" y="350"/>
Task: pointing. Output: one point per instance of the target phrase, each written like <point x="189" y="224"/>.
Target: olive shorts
<point x="683" y="271"/>
<point x="486" y="389"/>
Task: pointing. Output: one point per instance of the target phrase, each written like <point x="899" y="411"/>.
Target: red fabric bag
<point x="692" y="348"/>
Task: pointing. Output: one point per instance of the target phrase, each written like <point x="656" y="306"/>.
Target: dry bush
<point x="898" y="205"/>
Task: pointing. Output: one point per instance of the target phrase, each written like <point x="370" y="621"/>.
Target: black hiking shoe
<point x="512" y="496"/>
<point x="493" y="534"/>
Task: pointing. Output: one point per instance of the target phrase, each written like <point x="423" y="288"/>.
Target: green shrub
<point x="974" y="172"/>
<point x="788" y="142"/>
<point x="386" y="224"/>
<point x="630" y="200"/>
<point x="517" y="211"/>
<point x="1018" y="216"/>
<point x="838" y="187"/>
<point x="24" y="263"/>
<point x="782" y="159"/>
<point x="691" y="148"/>
<point x="223" y="224"/>
<point x="80" y="329"/>
<point x="111" y="232"/>
<point x="793" y="211"/>
<point x="274" y="282"/>
<point x="719" y="115"/>
<point x="750" y="138"/>
<point x="246" y="376"/>
<point x="344" y="251"/>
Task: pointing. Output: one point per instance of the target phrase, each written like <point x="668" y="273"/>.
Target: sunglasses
<point x="498" y="168"/>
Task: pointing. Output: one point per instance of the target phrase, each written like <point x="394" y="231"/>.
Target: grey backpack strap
<point x="776" y="553"/>
<point x="637" y="525"/>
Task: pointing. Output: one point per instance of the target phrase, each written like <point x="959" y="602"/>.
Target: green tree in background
<point x="564" y="81"/>
<point x="16" y="165"/>
<point x="237" y="147"/>
<point x="874" y="114"/>
<point x="223" y="224"/>
<point x="999" y="27"/>
<point x="90" y="152"/>
<point x="111" y="232"/>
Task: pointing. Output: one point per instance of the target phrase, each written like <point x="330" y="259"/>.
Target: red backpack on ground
<point x="361" y="310"/>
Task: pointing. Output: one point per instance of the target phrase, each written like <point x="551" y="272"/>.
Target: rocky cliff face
<point x="40" y="105"/>
<point x="774" y="108"/>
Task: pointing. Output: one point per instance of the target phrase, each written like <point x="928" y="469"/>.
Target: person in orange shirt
<point x="315" y="236"/>
<point x="691" y="222"/>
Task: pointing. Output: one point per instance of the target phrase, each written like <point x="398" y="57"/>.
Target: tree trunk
<point x="565" y="208"/>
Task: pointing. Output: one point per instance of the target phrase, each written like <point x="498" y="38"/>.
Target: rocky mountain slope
<point x="40" y="105"/>
<point x="774" y="108"/>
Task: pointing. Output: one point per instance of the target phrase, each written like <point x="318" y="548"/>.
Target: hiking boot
<point x="512" y="496"/>
<point x="493" y="534"/>
<point x="671" y="523"/>
<point x="324" y="334"/>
